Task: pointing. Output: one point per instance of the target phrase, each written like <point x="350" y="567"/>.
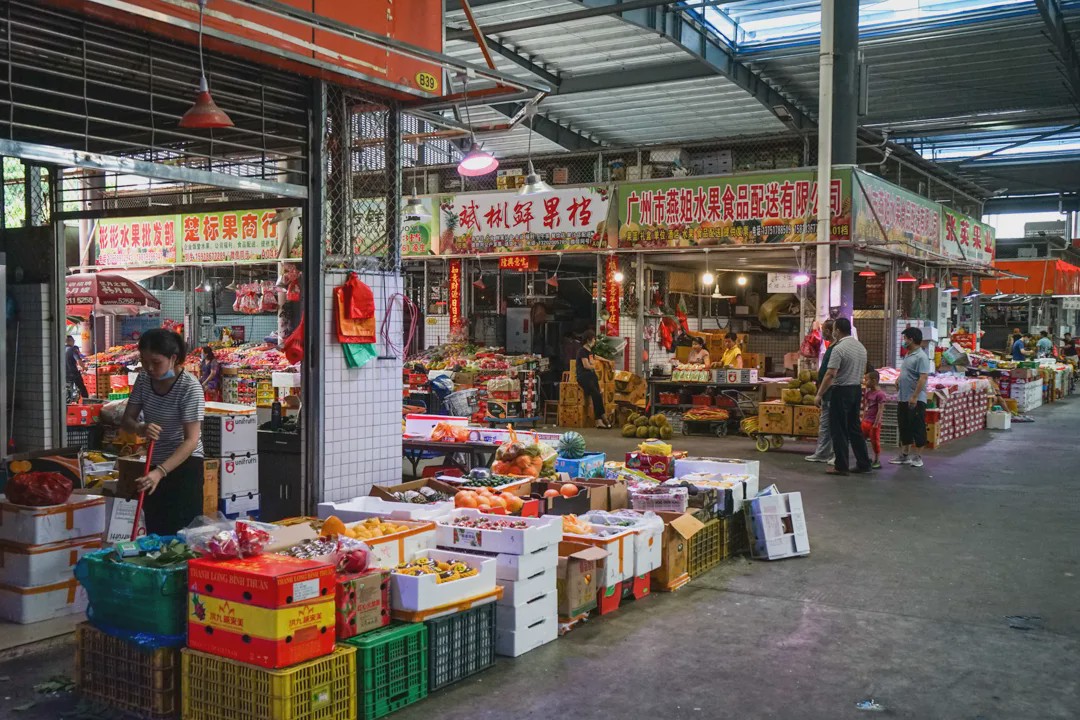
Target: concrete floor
<point x="949" y="592"/>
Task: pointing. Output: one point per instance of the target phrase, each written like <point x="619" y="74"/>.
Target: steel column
<point x="312" y="387"/>
<point x="59" y="302"/>
<point x="640" y="367"/>
<point x="392" y="149"/>
<point x="845" y="124"/>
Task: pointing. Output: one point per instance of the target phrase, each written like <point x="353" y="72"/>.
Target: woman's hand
<point x="148" y="483"/>
<point x="152" y="431"/>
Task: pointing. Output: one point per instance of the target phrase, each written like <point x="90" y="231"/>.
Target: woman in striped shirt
<point x="170" y="403"/>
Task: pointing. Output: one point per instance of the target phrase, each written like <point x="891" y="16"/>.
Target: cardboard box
<point x="521" y="617"/>
<point x="618" y="565"/>
<point x="591" y="496"/>
<point x="225" y="435"/>
<point x="305" y="645"/>
<point x="374" y="505"/>
<point x="389" y="551"/>
<point x="239" y="475"/>
<point x="419" y="593"/>
<point x="520" y="592"/>
<point x="514" y="643"/>
<point x="362" y="602"/>
<point x="237" y="506"/>
<point x="723" y="466"/>
<point x="286" y="623"/>
<point x="998" y="421"/>
<point x="35" y="565"/>
<point x="618" y="494"/>
<point x="735" y="376"/>
<point x="577" y="577"/>
<point x="775" y="418"/>
<point x="541" y="533"/>
<point x="777" y="526"/>
<point x="592" y="465"/>
<point x="64" y="461"/>
<point x="805" y="420"/>
<point x="515" y="568"/>
<point x="386" y="492"/>
<point x="267" y="581"/>
<point x="655" y="466"/>
<point x="211" y="486"/>
<point x="26" y="605"/>
<point x="120" y="514"/>
<point x="81" y="516"/>
<point x="678" y="529"/>
<point x="730" y="492"/>
<point x="773" y="389"/>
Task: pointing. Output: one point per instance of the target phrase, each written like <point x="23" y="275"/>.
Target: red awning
<point x="1038" y="277"/>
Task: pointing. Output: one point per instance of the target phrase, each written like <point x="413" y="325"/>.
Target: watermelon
<point x="572" y="445"/>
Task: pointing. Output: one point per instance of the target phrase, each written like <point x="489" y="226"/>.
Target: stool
<point x="551" y="412"/>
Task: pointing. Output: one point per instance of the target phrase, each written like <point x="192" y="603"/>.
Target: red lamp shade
<point x="553" y="281"/>
<point x="479" y="284"/>
<point x="476" y="163"/>
<point x="926" y="284"/>
<point x="205" y="113"/>
<point x="867" y="271"/>
<point x="906" y="277"/>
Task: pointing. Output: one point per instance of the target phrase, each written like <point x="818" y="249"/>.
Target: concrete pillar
<point x="845" y="108"/>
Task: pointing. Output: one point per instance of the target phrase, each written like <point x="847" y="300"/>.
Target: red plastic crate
<point x="609" y="599"/>
<point x="118" y="382"/>
<point x="705" y="400"/>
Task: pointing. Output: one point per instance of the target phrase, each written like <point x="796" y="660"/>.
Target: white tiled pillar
<point x="33" y="369"/>
<point x="361" y="407"/>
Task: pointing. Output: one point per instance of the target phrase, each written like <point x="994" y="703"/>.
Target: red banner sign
<point x="613" y="295"/>
<point x="454" y="301"/>
<point x="519" y="262"/>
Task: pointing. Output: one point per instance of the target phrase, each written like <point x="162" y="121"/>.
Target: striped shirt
<point x="848" y="359"/>
<point x="183" y="403"/>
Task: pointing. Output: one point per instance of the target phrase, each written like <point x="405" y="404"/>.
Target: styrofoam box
<point x="778" y="548"/>
<point x="239" y="475"/>
<point x="235" y="506"/>
<point x="520" y="617"/>
<point x="512" y="643"/>
<point x="29" y="565"/>
<point x="541" y="533"/>
<point x="25" y="605"/>
<point x="619" y="564"/>
<point x="417" y="425"/>
<point x="392" y="550"/>
<point x="362" y="508"/>
<point x="521" y="567"/>
<point x="82" y="516"/>
<point x="724" y="466"/>
<point x="521" y="592"/>
<point x="231" y="434"/>
<point x="648" y="551"/>
<point x="416" y="593"/>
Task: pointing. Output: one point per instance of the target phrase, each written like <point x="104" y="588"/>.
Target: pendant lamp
<point x="926" y="284"/>
<point x="534" y="184"/>
<point x="204" y="113"/>
<point x="476" y="162"/>
<point x="867" y="271"/>
<point x="905" y="276"/>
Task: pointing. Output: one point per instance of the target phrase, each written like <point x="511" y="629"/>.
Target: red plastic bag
<point x="38" y="489"/>
<point x="811" y="344"/>
<point x="294" y="344"/>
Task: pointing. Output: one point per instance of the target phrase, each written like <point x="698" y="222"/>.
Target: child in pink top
<point x="873" y="406"/>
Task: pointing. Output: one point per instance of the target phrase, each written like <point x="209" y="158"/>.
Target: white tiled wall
<point x="362" y="407"/>
<point x="33" y="386"/>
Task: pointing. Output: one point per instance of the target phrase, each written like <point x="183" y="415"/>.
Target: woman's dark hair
<point x="732" y="337"/>
<point x="207" y="350"/>
<point x="697" y="341"/>
<point x="1017" y="336"/>
<point x="589" y="336"/>
<point x="163" y="342"/>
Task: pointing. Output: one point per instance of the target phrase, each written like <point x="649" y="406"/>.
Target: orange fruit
<point x="484" y="507"/>
<point x="465" y="500"/>
<point x="568" y="490"/>
<point x="551" y="493"/>
<point x="498" y="502"/>
<point x="514" y="504"/>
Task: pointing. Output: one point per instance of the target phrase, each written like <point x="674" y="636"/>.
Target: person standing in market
<point x="824" y="451"/>
<point x="846" y="366"/>
<point x="698" y="354"/>
<point x="873" y="412"/>
<point x="1045" y="346"/>
<point x="911" y="399"/>
<point x="732" y="357"/>
<point x="1068" y="346"/>
<point x="74" y="367"/>
<point x="210" y="375"/>
<point x="587" y="379"/>
<point x="170" y="403"/>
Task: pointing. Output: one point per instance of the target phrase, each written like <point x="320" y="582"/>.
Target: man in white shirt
<point x="911" y="399"/>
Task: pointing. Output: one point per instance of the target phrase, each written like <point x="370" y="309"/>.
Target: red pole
<point x="142" y="493"/>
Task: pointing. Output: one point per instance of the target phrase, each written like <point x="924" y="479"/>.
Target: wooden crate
<point x="775" y="418"/>
<point x="806" y="419"/>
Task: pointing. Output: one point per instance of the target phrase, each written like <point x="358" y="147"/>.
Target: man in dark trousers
<point x="847" y="364"/>
<point x="73" y="366"/>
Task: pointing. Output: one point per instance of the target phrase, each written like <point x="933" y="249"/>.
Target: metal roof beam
<point x="547" y="128"/>
<point x="590" y="11"/>
<point x="524" y="62"/>
<point x="1063" y="42"/>
<point x="633" y="77"/>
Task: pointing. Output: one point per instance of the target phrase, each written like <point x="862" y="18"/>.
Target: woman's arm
<point x="192" y="432"/>
<point x="707" y="359"/>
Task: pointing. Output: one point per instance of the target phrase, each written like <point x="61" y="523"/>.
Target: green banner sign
<point x="907" y="223"/>
<point x="965" y="238"/>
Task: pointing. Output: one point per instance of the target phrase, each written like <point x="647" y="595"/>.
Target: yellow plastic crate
<point x="218" y="689"/>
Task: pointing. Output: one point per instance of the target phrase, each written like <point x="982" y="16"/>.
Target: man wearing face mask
<point x="911" y="399"/>
<point x="171" y="404"/>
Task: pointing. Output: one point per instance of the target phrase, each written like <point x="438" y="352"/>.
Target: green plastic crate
<point x="460" y="645"/>
<point x="134" y="599"/>
<point x="391" y="668"/>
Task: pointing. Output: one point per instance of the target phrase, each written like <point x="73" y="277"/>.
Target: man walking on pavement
<point x="844" y="375"/>
<point x="824" y="451"/>
<point x="911" y="399"/>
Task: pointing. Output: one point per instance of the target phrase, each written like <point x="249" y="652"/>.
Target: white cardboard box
<point x="235" y="506"/>
<point x="648" y="548"/>
<point x="512" y="643"/>
<point x="121" y="520"/>
<point x="540" y="533"/>
<point x="81" y="516"/>
<point x="239" y="475"/>
<point x="225" y="435"/>
<point x="777" y="526"/>
<point x="30" y="565"/>
<point x="724" y="466"/>
<point x="417" y="593"/>
<point x="362" y="508"/>
<point x="522" y="592"/>
<point x="522" y="567"/>
<point x="520" y="617"/>
<point x="998" y="420"/>
<point x="33" y="604"/>
<point x="390" y="551"/>
<point x="619" y="564"/>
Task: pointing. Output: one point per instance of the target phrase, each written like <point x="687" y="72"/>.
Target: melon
<point x="665" y="432"/>
<point x="654" y="431"/>
<point x="642" y="421"/>
<point x="629" y="430"/>
<point x="658" y="419"/>
<point x="794" y="384"/>
<point x="642" y="432"/>
<point x="805" y="376"/>
<point x="808" y="400"/>
<point x="791" y="397"/>
<point x="572" y="445"/>
<point x="808" y="388"/>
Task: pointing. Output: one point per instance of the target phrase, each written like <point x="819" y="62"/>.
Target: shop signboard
<point x="566" y="220"/>
<point x="781" y="283"/>
<point x="229" y="236"/>
<point x="521" y="263"/>
<point x="754" y="208"/>
<point x="909" y="224"/>
<point x="417" y="235"/>
<point x="965" y="238"/>
<point x="136" y="242"/>
<point x="612" y="295"/>
<point x="454" y="299"/>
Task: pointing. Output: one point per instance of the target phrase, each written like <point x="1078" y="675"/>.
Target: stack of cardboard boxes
<point x="233" y="442"/>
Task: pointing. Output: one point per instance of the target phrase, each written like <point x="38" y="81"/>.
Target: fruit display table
<point x="477" y="454"/>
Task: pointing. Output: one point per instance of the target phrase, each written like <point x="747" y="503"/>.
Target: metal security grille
<point x="70" y="82"/>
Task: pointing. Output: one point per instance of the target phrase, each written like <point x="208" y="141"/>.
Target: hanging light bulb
<point x="905" y="276"/>
<point x="950" y="290"/>
<point x="867" y="271"/>
<point x="800" y="278"/>
<point x="618" y="276"/>
<point x="172" y="287"/>
<point x="741" y="280"/>
<point x="204" y="113"/>
<point x="414" y="210"/>
<point x="476" y="162"/>
<point x="534" y="184"/>
<point x="707" y="278"/>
